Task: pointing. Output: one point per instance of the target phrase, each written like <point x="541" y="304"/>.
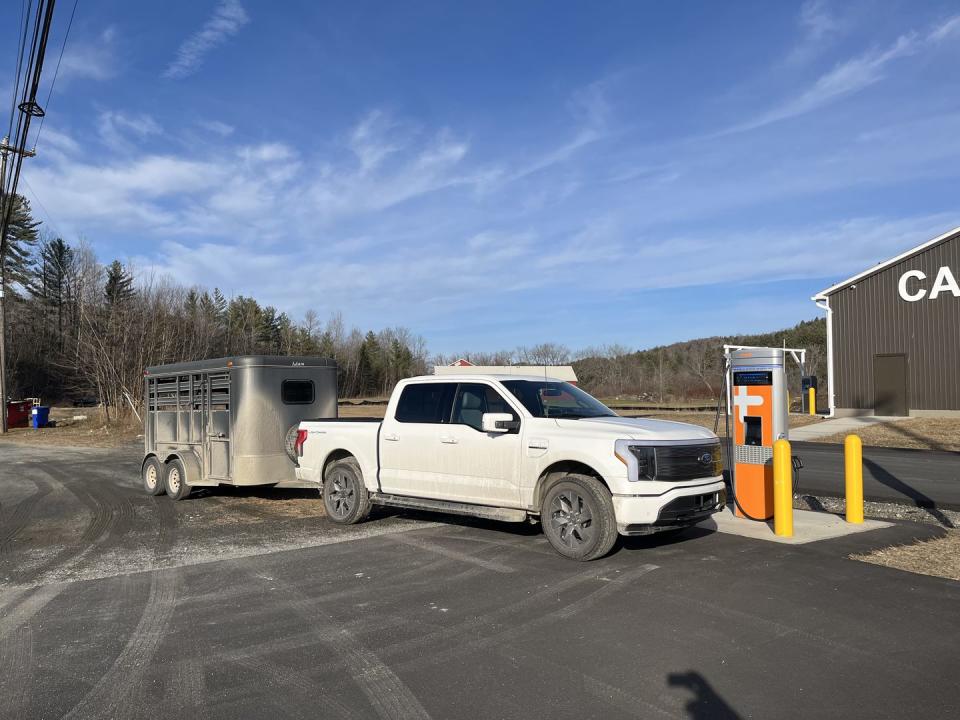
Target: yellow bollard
<point x="853" y="465"/>
<point x="782" y="489"/>
<point x="812" y="401"/>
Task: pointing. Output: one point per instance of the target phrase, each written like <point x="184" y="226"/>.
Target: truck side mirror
<point x="498" y="422"/>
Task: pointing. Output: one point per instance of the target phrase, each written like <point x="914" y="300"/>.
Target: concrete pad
<point x="808" y="526"/>
<point x="838" y="425"/>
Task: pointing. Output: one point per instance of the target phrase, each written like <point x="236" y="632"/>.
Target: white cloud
<point x="121" y="132"/>
<point x="217" y="127"/>
<point x="91" y="60"/>
<point x="851" y="76"/>
<point x="946" y="29"/>
<point x="819" y="27"/>
<point x="226" y="21"/>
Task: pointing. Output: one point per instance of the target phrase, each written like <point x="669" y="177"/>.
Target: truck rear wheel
<point x="578" y="519"/>
<point x="175" y="480"/>
<point x="152" y="476"/>
<point x="345" y="497"/>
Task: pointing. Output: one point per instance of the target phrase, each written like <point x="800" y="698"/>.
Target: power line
<point x="51" y="221"/>
<point x="56" y="72"/>
<point x="25" y="21"/>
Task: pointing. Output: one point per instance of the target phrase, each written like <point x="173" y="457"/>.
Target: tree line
<point x="683" y="371"/>
<point x="79" y="330"/>
<point x="82" y="331"/>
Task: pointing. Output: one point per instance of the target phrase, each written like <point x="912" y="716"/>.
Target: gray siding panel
<point x="871" y="318"/>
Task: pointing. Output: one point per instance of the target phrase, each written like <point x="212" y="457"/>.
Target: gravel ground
<point x="881" y="511"/>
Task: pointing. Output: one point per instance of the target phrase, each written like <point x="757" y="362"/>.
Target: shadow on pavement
<point x="705" y="703"/>
<point x="921" y="500"/>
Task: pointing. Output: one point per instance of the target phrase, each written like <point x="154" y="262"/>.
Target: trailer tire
<point x="578" y="519"/>
<point x="345" y="497"/>
<point x="289" y="440"/>
<point x="175" y="480"/>
<point x="152" y="476"/>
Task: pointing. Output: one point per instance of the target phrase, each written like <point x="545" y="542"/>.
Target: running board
<point x="445" y="506"/>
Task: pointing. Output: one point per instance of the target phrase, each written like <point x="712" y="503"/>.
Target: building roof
<point x="892" y="261"/>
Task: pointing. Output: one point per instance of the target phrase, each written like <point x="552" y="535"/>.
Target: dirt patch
<point x="917" y="433"/>
<point x="939" y="557"/>
<point x="78" y="427"/>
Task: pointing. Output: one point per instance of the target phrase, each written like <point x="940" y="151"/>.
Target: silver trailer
<point x="230" y="420"/>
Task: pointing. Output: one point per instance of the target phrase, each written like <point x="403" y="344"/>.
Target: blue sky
<point x="501" y="174"/>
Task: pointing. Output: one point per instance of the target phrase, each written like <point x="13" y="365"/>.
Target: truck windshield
<point x="553" y="399"/>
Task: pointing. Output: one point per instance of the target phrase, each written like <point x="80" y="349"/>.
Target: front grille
<point x="676" y="463"/>
<point x="691" y="509"/>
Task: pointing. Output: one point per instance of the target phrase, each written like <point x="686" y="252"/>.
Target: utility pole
<point x="5" y="149"/>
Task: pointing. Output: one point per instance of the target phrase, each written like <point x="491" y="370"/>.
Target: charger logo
<point x="743" y="400"/>
<point x="945" y="282"/>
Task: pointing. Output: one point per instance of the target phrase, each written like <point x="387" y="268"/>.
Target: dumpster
<point x="18" y="413"/>
<point x="40" y="416"/>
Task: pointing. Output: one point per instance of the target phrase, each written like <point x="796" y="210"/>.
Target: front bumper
<point x="679" y="507"/>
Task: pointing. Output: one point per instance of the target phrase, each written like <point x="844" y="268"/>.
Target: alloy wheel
<point x="571" y="518"/>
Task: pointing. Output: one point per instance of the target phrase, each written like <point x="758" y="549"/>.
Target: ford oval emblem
<point x="705" y="459"/>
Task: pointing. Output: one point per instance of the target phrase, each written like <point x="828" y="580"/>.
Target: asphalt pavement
<point x="923" y="478"/>
<point x="251" y="604"/>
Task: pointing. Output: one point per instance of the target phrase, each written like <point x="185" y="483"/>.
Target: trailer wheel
<point x="152" y="476"/>
<point x="345" y="497"/>
<point x="578" y="519"/>
<point x="175" y="480"/>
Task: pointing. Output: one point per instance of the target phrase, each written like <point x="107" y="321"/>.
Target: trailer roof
<point x="225" y="363"/>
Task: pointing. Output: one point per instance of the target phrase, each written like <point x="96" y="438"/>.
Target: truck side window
<point x="425" y="403"/>
<point x="475" y="399"/>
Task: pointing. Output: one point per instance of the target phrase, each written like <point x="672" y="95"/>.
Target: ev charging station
<point x="757" y="397"/>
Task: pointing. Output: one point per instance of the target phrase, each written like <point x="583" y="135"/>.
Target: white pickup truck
<point x="515" y="448"/>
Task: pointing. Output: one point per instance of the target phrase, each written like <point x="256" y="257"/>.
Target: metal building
<point x="893" y="334"/>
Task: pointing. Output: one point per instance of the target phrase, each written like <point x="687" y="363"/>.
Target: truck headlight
<point x="641" y="460"/>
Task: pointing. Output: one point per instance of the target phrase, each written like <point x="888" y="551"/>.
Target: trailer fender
<point x="191" y="463"/>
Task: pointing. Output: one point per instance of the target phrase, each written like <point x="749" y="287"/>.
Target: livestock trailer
<point x="230" y="420"/>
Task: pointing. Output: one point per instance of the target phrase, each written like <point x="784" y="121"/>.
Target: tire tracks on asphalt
<point x="111" y="693"/>
<point x="19" y="517"/>
<point x="108" y="512"/>
<point x="387" y="694"/>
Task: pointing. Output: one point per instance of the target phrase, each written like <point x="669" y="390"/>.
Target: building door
<point x="890" y="385"/>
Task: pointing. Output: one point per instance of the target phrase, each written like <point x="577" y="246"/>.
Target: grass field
<point x="916" y="433"/>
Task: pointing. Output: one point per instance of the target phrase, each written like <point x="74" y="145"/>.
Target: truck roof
<point x="467" y="377"/>
<point x="225" y="363"/>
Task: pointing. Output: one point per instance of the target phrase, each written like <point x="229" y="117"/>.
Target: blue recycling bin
<point x="40" y="416"/>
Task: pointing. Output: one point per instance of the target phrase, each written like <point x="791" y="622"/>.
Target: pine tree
<point x="51" y="284"/>
<point x="119" y="286"/>
<point x="21" y="237"/>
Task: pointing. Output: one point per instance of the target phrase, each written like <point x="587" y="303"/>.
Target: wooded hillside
<point x="79" y="330"/>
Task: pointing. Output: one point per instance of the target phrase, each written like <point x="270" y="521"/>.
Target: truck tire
<point x="289" y="440"/>
<point x="345" y="497"/>
<point x="578" y="519"/>
<point x="152" y="476"/>
<point x="175" y="480"/>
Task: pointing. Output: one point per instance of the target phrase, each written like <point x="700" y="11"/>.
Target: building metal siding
<point x="870" y="318"/>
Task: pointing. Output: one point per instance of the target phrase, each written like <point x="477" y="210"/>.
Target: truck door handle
<point x="448" y="439"/>
<point x="392" y="437"/>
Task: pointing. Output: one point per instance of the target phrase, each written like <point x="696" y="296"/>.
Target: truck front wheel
<point x="345" y="497"/>
<point x="578" y="519"/>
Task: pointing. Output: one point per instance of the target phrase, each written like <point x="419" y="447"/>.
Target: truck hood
<point x="638" y="428"/>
